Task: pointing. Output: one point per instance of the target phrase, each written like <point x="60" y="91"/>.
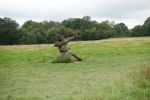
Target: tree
<point x="146" y="27"/>
<point x="34" y="32"/>
<point x="137" y="31"/>
<point x="49" y="24"/>
<point x="106" y="29"/>
<point x="9" y="31"/>
<point x="87" y="18"/>
<point x="51" y="35"/>
<point x="121" y="30"/>
<point x="78" y="23"/>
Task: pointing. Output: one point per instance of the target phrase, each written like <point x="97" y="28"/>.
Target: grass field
<point x="113" y="69"/>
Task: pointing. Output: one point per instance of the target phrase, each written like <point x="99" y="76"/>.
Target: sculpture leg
<point x="75" y="56"/>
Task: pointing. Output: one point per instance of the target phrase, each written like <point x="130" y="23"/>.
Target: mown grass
<point x="111" y="70"/>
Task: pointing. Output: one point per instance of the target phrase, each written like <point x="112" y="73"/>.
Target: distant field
<point x="113" y="69"/>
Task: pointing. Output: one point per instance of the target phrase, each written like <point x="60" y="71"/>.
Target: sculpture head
<point x="60" y="38"/>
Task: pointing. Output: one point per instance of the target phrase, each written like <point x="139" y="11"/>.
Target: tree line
<point x="32" y="32"/>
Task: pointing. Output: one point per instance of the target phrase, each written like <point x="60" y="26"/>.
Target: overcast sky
<point x="131" y="12"/>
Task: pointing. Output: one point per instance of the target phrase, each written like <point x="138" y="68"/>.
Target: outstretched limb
<point x="75" y="56"/>
<point x="64" y="41"/>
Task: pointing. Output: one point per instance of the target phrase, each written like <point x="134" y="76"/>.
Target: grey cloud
<point x="59" y="10"/>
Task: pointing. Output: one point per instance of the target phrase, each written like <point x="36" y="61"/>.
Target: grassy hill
<point x="112" y="69"/>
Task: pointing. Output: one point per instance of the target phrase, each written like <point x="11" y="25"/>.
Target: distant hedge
<point x="32" y="32"/>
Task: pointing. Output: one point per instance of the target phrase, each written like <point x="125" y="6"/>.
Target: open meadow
<point x="112" y="69"/>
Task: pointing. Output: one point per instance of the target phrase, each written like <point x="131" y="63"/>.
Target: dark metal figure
<point x="64" y="51"/>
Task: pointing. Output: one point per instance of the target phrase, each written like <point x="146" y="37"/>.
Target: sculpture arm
<point x="69" y="39"/>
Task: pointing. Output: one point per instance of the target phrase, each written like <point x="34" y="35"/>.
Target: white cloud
<point x="131" y="12"/>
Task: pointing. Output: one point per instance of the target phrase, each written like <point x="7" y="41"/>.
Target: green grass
<point x="106" y="73"/>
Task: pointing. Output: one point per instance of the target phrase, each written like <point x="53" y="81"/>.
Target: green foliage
<point x="147" y="27"/>
<point x="142" y="30"/>
<point x="121" y="30"/>
<point x="9" y="31"/>
<point x="32" y="32"/>
<point x="137" y="31"/>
